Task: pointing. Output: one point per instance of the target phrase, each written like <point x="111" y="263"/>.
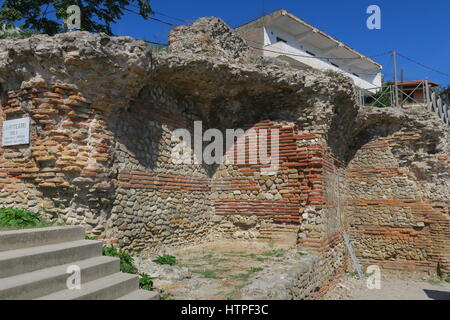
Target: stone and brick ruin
<point x="102" y="111"/>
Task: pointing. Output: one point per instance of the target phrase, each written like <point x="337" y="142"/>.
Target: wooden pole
<point x="394" y="55"/>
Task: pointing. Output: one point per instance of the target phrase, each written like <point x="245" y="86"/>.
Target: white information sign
<point x="16" y="132"/>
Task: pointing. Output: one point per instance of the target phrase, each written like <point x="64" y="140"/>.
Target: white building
<point x="285" y="36"/>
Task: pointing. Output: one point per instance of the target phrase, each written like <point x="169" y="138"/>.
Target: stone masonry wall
<point x="102" y="111"/>
<point x="63" y="172"/>
<point x="395" y="221"/>
<point x="113" y="173"/>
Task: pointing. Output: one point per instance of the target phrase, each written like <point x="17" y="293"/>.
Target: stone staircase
<point x="34" y="265"/>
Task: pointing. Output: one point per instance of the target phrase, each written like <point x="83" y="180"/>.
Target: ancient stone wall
<point x="395" y="220"/>
<point x="103" y="110"/>
<point x="63" y="172"/>
<point x="306" y="277"/>
<point x="114" y="174"/>
<point x="156" y="201"/>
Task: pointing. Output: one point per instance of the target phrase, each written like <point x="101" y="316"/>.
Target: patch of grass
<point x="211" y="258"/>
<point x="274" y="253"/>
<point x="434" y="280"/>
<point x="352" y="273"/>
<point x="165" y="295"/>
<point x="39" y="225"/>
<point x="208" y="256"/>
<point x="211" y="273"/>
<point x="16" y="218"/>
<point x="191" y="265"/>
<point x="241" y="255"/>
<point x="246" y="276"/>
<point x="277" y="253"/>
<point x="261" y="259"/>
<point x="447" y="279"/>
<point x="166" y="259"/>
<point x="236" y="254"/>
<point x="90" y="238"/>
<point x="232" y="295"/>
<point x="240" y="286"/>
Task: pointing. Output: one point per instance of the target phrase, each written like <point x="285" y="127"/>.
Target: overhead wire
<point x="423" y="65"/>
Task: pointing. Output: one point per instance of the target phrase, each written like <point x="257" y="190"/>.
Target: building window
<point x="281" y="40"/>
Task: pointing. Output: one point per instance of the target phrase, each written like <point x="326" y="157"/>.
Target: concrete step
<point x="15" y="262"/>
<point x="27" y="238"/>
<point x="46" y="281"/>
<point x="106" y="288"/>
<point x="141" y="295"/>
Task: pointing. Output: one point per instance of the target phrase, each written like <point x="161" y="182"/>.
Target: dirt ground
<point x="220" y="269"/>
<point x="392" y="288"/>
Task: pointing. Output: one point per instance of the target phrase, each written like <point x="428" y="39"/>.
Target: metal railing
<point x="421" y="95"/>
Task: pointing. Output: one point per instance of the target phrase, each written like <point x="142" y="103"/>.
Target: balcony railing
<point x="421" y="95"/>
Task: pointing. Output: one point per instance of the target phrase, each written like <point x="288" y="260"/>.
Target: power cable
<point x="152" y="18"/>
<point x="162" y="14"/>
<point x="423" y="65"/>
<point x="170" y="17"/>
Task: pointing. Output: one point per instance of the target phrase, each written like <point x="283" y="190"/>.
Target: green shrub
<point x="145" y="282"/>
<point x="127" y="266"/>
<point x="126" y="260"/>
<point x="447" y="279"/>
<point x="10" y="217"/>
<point x="382" y="98"/>
<point x="166" y="259"/>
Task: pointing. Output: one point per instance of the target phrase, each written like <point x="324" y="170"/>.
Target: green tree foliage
<point x="382" y="98"/>
<point x="96" y="15"/>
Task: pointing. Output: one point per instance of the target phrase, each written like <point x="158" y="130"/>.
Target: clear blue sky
<point x="418" y="29"/>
